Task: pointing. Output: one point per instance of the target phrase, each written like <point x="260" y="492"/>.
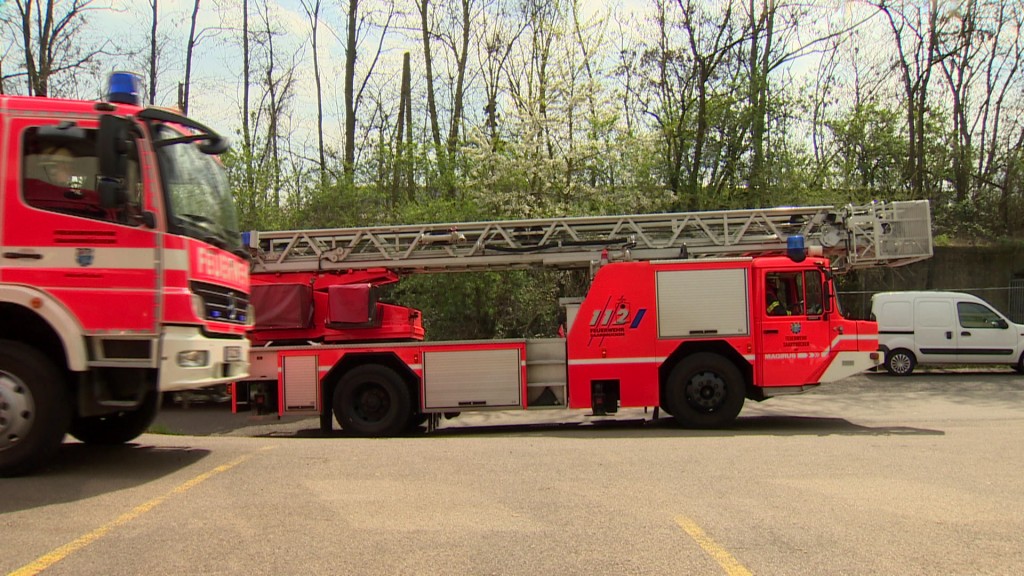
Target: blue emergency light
<point x="795" y="248"/>
<point x="123" y="87"/>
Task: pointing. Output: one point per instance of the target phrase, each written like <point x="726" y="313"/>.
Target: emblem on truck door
<point x="84" y="256"/>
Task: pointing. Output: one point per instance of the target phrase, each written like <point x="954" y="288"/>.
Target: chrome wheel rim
<point x="900" y="363"/>
<point x="17" y="410"/>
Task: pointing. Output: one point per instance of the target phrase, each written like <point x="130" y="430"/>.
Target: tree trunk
<point x="314" y="15"/>
<point x="350" y="77"/>
<point x="189" y="51"/>
<point x="428" y="61"/>
<point x="152" y="56"/>
<point x="461" y="58"/>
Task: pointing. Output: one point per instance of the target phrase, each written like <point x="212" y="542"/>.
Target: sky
<point x="216" y="93"/>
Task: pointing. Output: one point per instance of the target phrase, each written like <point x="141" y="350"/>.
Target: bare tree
<point x="189" y="50"/>
<point x="915" y="33"/>
<point x="497" y="37"/>
<point x="358" y="25"/>
<point x="52" y="42"/>
<point x="313" y="13"/>
<point x="153" y="53"/>
<point x="350" y="81"/>
<point x="426" y="30"/>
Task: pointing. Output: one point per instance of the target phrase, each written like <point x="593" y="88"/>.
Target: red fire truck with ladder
<point x="691" y="313"/>
<point x="122" y="272"/>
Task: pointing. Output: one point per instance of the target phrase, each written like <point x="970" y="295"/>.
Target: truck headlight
<point x="193" y="358"/>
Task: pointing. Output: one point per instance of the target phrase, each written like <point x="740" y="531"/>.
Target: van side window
<point x="974" y="315"/>
<point x="60" y="176"/>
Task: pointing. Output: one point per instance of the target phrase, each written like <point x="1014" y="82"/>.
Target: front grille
<point x="222" y="304"/>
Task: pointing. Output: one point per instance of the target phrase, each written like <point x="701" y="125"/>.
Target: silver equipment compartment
<point x="472" y="379"/>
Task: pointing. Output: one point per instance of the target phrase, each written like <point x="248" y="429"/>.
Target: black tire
<point x="705" y="390"/>
<point x="900" y="362"/>
<point x="34" y="409"/>
<point x="119" y="427"/>
<point x="416" y="420"/>
<point x="666" y="402"/>
<point x="1019" y="366"/>
<point x="372" y="400"/>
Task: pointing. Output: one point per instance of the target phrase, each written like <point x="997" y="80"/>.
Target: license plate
<point x="232" y="353"/>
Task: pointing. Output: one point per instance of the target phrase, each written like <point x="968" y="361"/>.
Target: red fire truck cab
<point x="121" y="270"/>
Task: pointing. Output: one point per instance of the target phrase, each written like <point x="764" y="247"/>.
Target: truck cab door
<point x="794" y="329"/>
<point x="984" y="336"/>
<point x="99" y="261"/>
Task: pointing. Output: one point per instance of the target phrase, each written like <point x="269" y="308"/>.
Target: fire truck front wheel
<point x="372" y="400"/>
<point x="705" y="390"/>
<point x="120" y="427"/>
<point x="34" y="409"/>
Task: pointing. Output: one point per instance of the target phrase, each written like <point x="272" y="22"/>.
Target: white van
<point x="943" y="328"/>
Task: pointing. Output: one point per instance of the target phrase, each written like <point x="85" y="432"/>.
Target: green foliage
<point x="514" y="304"/>
<point x="870" y="153"/>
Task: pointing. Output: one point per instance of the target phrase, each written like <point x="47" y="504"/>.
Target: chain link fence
<point x="1009" y="300"/>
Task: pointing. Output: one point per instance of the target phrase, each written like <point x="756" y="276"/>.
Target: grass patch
<point x="161" y="429"/>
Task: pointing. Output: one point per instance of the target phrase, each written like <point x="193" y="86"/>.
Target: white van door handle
<point x="965" y="333"/>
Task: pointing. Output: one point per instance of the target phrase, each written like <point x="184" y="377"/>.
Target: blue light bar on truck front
<point x="123" y="87"/>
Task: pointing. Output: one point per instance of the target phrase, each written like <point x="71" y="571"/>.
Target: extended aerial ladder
<point x="852" y="237"/>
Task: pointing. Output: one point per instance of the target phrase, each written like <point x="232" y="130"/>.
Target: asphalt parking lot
<point x="874" y="475"/>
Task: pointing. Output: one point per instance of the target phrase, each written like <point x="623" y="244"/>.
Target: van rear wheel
<point x="900" y="362"/>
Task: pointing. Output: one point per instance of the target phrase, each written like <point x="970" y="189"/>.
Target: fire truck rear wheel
<point x="372" y="400"/>
<point x="705" y="390"/>
<point x="34" y="409"/>
<point x="120" y="427"/>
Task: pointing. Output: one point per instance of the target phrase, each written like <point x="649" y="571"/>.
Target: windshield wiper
<point x="205" y="228"/>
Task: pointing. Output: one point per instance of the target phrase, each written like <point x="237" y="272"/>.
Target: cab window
<point x="794" y="293"/>
<point x="60" y="175"/>
<point x="974" y="315"/>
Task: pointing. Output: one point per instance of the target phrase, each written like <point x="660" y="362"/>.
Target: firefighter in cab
<point x="774" y="303"/>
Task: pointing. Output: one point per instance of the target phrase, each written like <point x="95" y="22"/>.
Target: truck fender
<point x="56" y="315"/>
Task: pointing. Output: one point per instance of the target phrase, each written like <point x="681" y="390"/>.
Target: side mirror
<point x="112" y="193"/>
<point x="1002" y="324"/>
<point x="112" y="146"/>
<point x="215" y="145"/>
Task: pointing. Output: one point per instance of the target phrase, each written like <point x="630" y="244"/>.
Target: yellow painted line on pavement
<point x="728" y="563"/>
<point x="45" y="561"/>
